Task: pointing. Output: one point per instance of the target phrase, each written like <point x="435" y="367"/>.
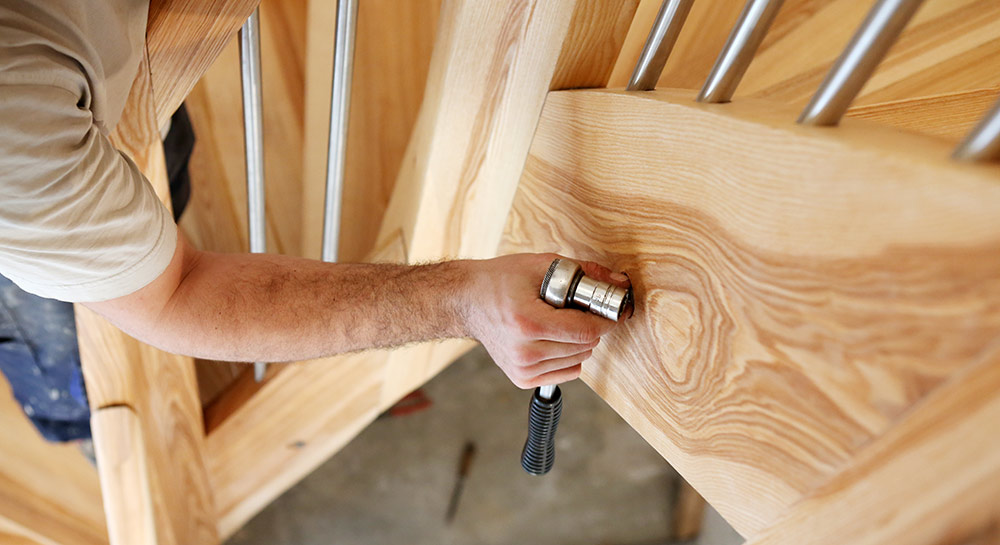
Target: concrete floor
<point x="392" y="484"/>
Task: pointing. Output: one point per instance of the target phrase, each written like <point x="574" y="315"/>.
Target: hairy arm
<point x="259" y="307"/>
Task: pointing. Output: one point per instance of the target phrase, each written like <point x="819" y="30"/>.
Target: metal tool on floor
<point x="565" y="285"/>
<point x="468" y="454"/>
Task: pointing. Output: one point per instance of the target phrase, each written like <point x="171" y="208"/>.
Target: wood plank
<point x="950" y="116"/>
<point x="49" y="494"/>
<point x="295" y="408"/>
<point x="183" y="38"/>
<point x="295" y="422"/>
<point x="159" y="387"/>
<point x="933" y="478"/>
<point x="797" y="289"/>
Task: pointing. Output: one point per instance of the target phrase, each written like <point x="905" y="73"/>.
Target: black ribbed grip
<point x="543" y="418"/>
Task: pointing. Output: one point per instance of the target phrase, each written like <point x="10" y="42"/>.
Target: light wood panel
<point x="949" y="116"/>
<point x="158" y="386"/>
<point x="49" y="494"/>
<point x="797" y="289"/>
<point x="933" y="478"/>
<point x="307" y="412"/>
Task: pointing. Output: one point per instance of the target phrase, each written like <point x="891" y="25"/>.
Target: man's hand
<point x="534" y="343"/>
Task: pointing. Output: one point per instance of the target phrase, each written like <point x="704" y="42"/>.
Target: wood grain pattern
<point x="949" y="116"/>
<point x="797" y="289"/>
<point x="49" y="494"/>
<point x="294" y="408"/>
<point x="159" y="387"/>
<point x="462" y="163"/>
<point x="933" y="478"/>
<point x="183" y="38"/>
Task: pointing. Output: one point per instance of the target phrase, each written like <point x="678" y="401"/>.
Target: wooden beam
<point x="478" y="111"/>
<point x="49" y="493"/>
<point x="463" y="161"/>
<point x="124" y="461"/>
<point x="949" y="116"/>
<point x="183" y="38"/>
<point x="159" y="387"/>
<point x="797" y="289"/>
<point x="933" y="478"/>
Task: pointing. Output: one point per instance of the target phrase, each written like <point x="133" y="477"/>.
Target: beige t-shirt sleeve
<point x="78" y="221"/>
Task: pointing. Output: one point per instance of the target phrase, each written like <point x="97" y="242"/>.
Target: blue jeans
<point x="39" y="356"/>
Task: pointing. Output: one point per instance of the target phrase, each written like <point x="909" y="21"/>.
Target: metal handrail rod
<point x="869" y="45"/>
<point x="735" y="57"/>
<point x="253" y="138"/>
<point x="983" y="141"/>
<point x="662" y="37"/>
<point x="340" y="98"/>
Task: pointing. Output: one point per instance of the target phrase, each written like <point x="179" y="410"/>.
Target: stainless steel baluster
<point x="662" y="37"/>
<point x="867" y="48"/>
<point x="983" y="142"/>
<point x="340" y="99"/>
<point x="744" y="39"/>
<point x="253" y="138"/>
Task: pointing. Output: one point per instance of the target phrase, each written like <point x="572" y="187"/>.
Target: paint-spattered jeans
<point x="38" y="348"/>
<point x="39" y="356"/>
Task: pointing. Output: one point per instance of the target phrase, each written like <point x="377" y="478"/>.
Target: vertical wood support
<point x="145" y="398"/>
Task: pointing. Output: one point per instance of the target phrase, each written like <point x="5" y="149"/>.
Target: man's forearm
<point x="244" y="307"/>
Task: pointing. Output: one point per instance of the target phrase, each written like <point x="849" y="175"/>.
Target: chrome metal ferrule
<point x="565" y="285"/>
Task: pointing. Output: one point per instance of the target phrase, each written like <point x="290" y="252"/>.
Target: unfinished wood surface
<point x="934" y="478"/>
<point x="49" y="493"/>
<point x="797" y="289"/>
<point x="159" y="387"/>
<point x="122" y="455"/>
<point x="949" y="116"/>
<point x="331" y="400"/>
<point x="479" y="111"/>
<point x="183" y="38"/>
<point x="391" y="58"/>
